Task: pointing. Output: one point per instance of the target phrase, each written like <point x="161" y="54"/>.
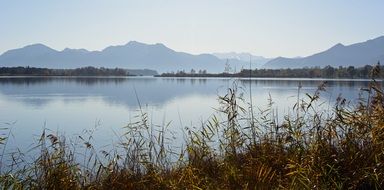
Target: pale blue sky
<point x="269" y="27"/>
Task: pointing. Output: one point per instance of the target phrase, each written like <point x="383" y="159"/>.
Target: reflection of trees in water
<point x="349" y="89"/>
<point x="38" y="91"/>
<point x="88" y="81"/>
<point x="121" y="90"/>
<point x="192" y="81"/>
<point x="311" y="83"/>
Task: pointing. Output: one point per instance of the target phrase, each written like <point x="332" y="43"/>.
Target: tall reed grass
<point x="311" y="148"/>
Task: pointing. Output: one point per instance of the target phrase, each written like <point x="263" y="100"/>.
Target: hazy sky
<point x="269" y="28"/>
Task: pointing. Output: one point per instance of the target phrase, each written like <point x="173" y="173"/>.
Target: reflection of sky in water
<point x="70" y="105"/>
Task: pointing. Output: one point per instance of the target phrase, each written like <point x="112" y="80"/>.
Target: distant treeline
<point x="315" y="72"/>
<point x="84" y="71"/>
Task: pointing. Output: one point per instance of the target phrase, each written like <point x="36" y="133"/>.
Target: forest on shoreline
<point x="315" y="72"/>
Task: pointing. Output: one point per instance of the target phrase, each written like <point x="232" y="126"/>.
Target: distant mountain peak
<point x="37" y="46"/>
<point x="257" y="61"/>
<point x="337" y="46"/>
<point x="134" y="43"/>
<point x="160" y="45"/>
<point x="69" y="50"/>
<point x="33" y="49"/>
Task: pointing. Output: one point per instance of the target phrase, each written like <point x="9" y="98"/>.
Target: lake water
<point x="72" y="105"/>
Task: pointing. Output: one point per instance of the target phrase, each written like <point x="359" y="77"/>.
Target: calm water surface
<point x="71" y="105"/>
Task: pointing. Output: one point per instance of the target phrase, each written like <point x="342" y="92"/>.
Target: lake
<point x="75" y="106"/>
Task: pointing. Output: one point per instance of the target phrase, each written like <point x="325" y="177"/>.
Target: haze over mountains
<point x="257" y="61"/>
<point x="136" y="55"/>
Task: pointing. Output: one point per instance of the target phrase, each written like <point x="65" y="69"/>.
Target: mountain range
<point x="358" y="55"/>
<point x="133" y="55"/>
<point x="136" y="55"/>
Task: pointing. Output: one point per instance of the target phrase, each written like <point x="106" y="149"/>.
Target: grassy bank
<point x="341" y="148"/>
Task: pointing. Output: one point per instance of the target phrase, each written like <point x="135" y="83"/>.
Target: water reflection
<point x="38" y="91"/>
<point x="71" y="104"/>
